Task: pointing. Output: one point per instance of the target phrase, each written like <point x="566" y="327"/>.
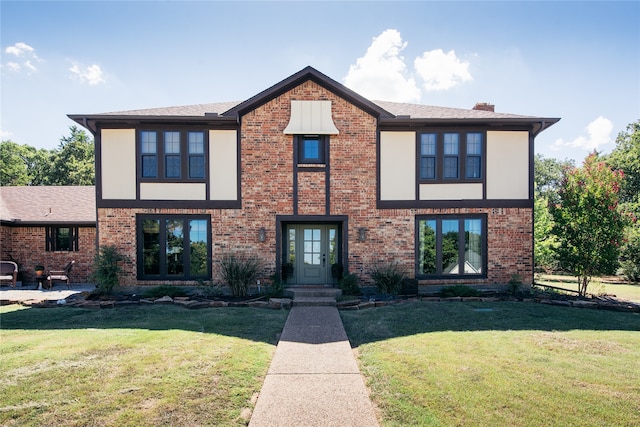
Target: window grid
<point x="172" y="155"/>
<point x="451" y="246"/>
<point x="450" y="156"/>
<point x="428" y="152"/>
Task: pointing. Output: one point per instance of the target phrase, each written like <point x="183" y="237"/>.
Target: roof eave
<point x="536" y="124"/>
<point x="93" y="121"/>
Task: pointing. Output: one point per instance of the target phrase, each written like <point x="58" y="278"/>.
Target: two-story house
<point x="310" y="173"/>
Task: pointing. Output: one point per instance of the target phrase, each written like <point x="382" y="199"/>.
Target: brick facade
<point x="28" y="246"/>
<point x="267" y="188"/>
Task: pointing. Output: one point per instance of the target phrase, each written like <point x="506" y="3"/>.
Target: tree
<point x="588" y="223"/>
<point x="626" y="157"/>
<point x="545" y="242"/>
<point x="22" y="164"/>
<point x="73" y="162"/>
<point x="548" y="174"/>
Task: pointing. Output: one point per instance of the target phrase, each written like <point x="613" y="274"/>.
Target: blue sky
<point x="579" y="61"/>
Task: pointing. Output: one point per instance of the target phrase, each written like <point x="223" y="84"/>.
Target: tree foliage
<point x="626" y="157"/>
<point x="548" y="173"/>
<point x="588" y="223"/>
<point x="545" y="241"/>
<point x="72" y="163"/>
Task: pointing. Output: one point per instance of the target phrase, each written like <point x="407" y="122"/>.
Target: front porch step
<point x="314" y="301"/>
<point x="313" y="295"/>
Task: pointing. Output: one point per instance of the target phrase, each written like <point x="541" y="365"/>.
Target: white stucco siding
<point x="397" y="165"/>
<point x="223" y="161"/>
<point x="507" y="165"/>
<point x="450" y="191"/>
<point x="172" y="191"/>
<point x="118" y="164"/>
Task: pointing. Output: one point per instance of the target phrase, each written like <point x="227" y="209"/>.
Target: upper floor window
<point x="450" y="156"/>
<point x="311" y="148"/>
<point x="172" y="155"/>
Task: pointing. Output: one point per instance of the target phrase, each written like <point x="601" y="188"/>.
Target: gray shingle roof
<point x="184" y="110"/>
<point x="419" y="111"/>
<point x="48" y="204"/>
<point x="415" y="111"/>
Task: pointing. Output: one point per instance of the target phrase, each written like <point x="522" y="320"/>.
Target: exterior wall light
<point x="362" y="234"/>
<point x="262" y="234"/>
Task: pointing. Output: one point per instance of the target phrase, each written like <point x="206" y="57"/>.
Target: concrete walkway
<point x="59" y="291"/>
<point x="313" y="379"/>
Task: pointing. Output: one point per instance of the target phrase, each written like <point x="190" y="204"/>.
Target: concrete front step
<point x="314" y="301"/>
<point x="317" y="291"/>
<point x="314" y="295"/>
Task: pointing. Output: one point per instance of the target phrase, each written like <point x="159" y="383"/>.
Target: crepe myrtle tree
<point x="588" y="223"/>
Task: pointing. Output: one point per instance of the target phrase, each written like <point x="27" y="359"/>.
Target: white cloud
<point x="27" y="55"/>
<point x="4" y="134"/>
<point x="19" y="49"/>
<point x="91" y="74"/>
<point x="13" y="66"/>
<point x="441" y="71"/>
<point x="381" y="72"/>
<point x="598" y="134"/>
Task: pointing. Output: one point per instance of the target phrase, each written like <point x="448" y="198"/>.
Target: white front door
<point x="312" y="249"/>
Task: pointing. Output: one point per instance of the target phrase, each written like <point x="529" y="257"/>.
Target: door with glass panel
<point x="311" y="250"/>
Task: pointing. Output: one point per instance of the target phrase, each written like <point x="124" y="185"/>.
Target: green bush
<point x="388" y="277"/>
<point x="164" y="291"/>
<point x="459" y="291"/>
<point x="276" y="289"/>
<point x="630" y="256"/>
<point x="239" y="273"/>
<point x="107" y="269"/>
<point x="349" y="284"/>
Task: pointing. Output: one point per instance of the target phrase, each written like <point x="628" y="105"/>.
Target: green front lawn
<point x="133" y="366"/>
<point x="499" y="364"/>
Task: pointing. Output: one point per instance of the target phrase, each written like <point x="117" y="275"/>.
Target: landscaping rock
<point x="367" y="304"/>
<point x="585" y="304"/>
<point x="164" y="300"/>
<point x="259" y="304"/>
<point x="218" y="304"/>
<point x="280" y="303"/>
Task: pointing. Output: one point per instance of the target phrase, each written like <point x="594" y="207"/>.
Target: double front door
<point x="311" y="249"/>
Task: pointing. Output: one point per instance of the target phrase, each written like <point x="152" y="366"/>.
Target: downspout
<point x="533" y="209"/>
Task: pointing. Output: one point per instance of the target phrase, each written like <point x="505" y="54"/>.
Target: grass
<point x="499" y="364"/>
<point x="133" y="366"/>
<point x="599" y="285"/>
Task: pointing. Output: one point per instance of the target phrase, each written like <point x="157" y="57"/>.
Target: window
<point x="149" y="152"/>
<point x="451" y="150"/>
<point x="196" y="155"/>
<point x="172" y="155"/>
<point x="311" y="148"/>
<point x="61" y="239"/>
<point x="474" y="155"/>
<point x="451" y="246"/>
<point x="428" y="155"/>
<point x="175" y="247"/>
<point x="450" y="156"/>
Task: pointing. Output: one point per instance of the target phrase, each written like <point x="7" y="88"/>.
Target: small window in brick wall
<point x="62" y="239"/>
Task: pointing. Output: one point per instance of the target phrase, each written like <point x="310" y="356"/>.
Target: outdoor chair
<point x="9" y="271"/>
<point x="62" y="275"/>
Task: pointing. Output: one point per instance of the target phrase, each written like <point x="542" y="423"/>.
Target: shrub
<point x="388" y="277"/>
<point x="164" y="290"/>
<point x="630" y="256"/>
<point x="107" y="269"/>
<point x="276" y="289"/>
<point x="239" y="273"/>
<point x="349" y="284"/>
<point x="459" y="291"/>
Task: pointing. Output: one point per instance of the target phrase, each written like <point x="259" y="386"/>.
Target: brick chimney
<point x="484" y="106"/>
